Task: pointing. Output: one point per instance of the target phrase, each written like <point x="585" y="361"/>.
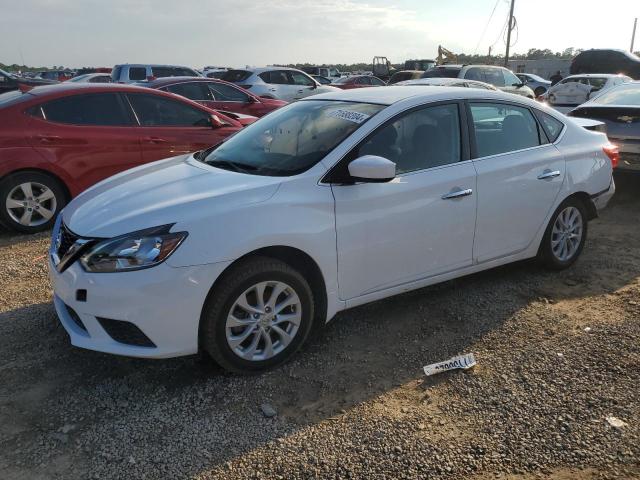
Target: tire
<point x="36" y="191"/>
<point x="539" y="91"/>
<point x="241" y="282"/>
<point x="551" y="250"/>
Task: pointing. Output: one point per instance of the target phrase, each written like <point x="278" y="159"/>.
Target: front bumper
<point x="163" y="302"/>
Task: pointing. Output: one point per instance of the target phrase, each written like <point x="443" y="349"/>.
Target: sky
<point x="237" y="33"/>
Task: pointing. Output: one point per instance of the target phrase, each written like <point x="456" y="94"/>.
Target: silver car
<point x="281" y="83"/>
<point x="535" y="82"/>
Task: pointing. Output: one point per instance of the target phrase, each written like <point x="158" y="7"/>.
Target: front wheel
<point x="565" y="236"/>
<point x="30" y="201"/>
<point x="258" y="316"/>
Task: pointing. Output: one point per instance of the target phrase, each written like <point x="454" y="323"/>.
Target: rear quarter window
<point x="551" y="126"/>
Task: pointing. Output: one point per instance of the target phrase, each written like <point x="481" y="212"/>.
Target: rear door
<point x="421" y="223"/>
<point x="91" y="136"/>
<point x="280" y="85"/>
<point x="519" y="176"/>
<point x="233" y="99"/>
<point x="169" y="127"/>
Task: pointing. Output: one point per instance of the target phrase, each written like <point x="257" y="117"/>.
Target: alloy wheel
<point x="263" y="320"/>
<point x="566" y="234"/>
<point x="31" y="204"/>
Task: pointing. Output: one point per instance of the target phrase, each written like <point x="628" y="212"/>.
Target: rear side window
<point x="551" y="126"/>
<point x="502" y="128"/>
<point x="157" y="111"/>
<point x="227" y="93"/>
<point x="100" y="109"/>
<point x="137" y="73"/>
<point x="440" y="72"/>
<point x="192" y="90"/>
<point x="236" y="75"/>
<point x="163" y="72"/>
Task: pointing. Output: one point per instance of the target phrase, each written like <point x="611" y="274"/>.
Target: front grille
<point x="125" y="332"/>
<point x="66" y="238"/>
<point x="76" y="318"/>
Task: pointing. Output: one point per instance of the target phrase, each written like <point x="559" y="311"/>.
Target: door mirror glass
<point x="372" y="168"/>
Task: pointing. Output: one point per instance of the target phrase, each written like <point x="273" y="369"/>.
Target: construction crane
<point x="445" y="56"/>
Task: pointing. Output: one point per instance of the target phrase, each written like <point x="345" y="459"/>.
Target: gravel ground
<point x="557" y="354"/>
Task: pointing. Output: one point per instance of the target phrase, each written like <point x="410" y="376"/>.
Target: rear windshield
<point x="236" y="75"/>
<point x="442" y="72"/>
<point x="623" y="95"/>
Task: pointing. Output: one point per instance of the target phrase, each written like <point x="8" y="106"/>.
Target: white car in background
<point x="243" y="249"/>
<point x="447" y="82"/>
<point x="574" y="90"/>
<point x="281" y="83"/>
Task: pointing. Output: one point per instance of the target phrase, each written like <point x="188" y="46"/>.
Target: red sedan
<point x="217" y="94"/>
<point x="358" y="81"/>
<point x="56" y="141"/>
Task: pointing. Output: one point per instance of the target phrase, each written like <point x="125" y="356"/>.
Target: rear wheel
<point x="565" y="236"/>
<point x="259" y="315"/>
<point x="30" y="201"/>
<point x="539" y="91"/>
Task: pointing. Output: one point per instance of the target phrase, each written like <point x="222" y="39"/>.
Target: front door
<point x="421" y="223"/>
<point x="304" y="85"/>
<point x="519" y="177"/>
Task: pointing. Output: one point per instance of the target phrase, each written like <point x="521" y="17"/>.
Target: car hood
<point x="176" y="190"/>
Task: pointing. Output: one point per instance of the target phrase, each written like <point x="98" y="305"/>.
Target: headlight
<point x="133" y="251"/>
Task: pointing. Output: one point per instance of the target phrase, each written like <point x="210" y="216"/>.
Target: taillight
<point x="613" y="153"/>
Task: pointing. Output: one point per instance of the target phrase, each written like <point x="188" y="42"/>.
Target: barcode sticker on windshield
<point x="349" y="115"/>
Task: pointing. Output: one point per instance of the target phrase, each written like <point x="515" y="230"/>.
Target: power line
<point x="486" y="26"/>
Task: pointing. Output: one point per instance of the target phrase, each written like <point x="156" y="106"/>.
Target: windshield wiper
<point x="233" y="166"/>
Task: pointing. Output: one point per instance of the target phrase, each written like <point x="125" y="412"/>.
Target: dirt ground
<point x="558" y="354"/>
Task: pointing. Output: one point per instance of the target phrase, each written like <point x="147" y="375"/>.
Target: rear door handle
<point x="155" y="140"/>
<point x="549" y="174"/>
<point x="457" y="194"/>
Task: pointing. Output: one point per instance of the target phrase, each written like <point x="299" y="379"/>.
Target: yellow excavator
<point x="445" y="56"/>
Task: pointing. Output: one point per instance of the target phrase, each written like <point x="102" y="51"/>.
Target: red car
<point x="217" y="94"/>
<point x="358" y="81"/>
<point x="56" y="141"/>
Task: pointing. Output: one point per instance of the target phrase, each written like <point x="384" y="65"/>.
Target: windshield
<point x="7" y="74"/>
<point x="623" y="95"/>
<point x="439" y="72"/>
<point x="292" y="139"/>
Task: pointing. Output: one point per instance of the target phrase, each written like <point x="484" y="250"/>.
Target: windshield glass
<point x="292" y="139"/>
<point x="7" y="74"/>
<point x="623" y="95"/>
<point x="440" y="72"/>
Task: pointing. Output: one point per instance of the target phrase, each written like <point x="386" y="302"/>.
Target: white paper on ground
<point x="462" y="361"/>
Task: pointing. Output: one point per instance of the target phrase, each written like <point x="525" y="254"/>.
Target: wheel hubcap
<point x="263" y="321"/>
<point x="566" y="234"/>
<point x="31" y="204"/>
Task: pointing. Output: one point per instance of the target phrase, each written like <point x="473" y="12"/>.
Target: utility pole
<point x="509" y="28"/>
<point x="633" y="35"/>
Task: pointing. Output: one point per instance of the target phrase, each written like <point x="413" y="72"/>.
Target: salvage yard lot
<point x="354" y="402"/>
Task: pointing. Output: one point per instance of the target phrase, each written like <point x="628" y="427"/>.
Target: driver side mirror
<point x="518" y="85"/>
<point x="372" y="169"/>
<point x="216" y="122"/>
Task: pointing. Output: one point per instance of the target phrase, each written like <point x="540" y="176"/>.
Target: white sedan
<point x="243" y="249"/>
<point x="574" y="90"/>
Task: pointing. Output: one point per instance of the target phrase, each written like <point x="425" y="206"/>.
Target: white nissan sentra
<point x="243" y="249"/>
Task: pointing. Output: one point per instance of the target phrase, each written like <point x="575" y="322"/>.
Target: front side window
<point x="99" y="109"/>
<point x="157" y="111"/>
<point x="494" y="76"/>
<point x="292" y="139"/>
<point x="501" y="128"/>
<point x="510" y="79"/>
<point x="424" y="138"/>
<point x="197" y="91"/>
<point x="227" y="93"/>
<point x="137" y="73"/>
<point x="298" y="78"/>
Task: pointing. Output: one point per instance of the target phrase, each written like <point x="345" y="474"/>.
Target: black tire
<point x="539" y="91"/>
<point x="545" y="254"/>
<point x="228" y="289"/>
<point x="11" y="182"/>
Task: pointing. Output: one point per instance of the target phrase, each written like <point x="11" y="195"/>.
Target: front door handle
<point x="155" y="140"/>
<point x="48" y="138"/>
<point x="549" y="174"/>
<point x="457" y="194"/>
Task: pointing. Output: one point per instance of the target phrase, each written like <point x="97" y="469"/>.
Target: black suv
<point x="606" y="61"/>
<point x="9" y="82"/>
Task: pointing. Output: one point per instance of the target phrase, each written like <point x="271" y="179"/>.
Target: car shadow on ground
<point x="360" y="355"/>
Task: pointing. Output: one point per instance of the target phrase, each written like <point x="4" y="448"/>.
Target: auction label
<point x="462" y="361"/>
<point x="349" y="115"/>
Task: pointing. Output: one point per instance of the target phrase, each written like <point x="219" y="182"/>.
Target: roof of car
<point x="151" y="65"/>
<point x="595" y="75"/>
<point x="62" y="89"/>
<point x="443" y="82"/>
<point x="393" y="94"/>
<point x="169" y="80"/>
<point x="267" y="69"/>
